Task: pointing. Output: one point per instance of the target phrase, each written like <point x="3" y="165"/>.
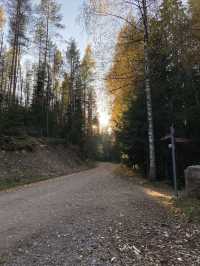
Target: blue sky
<point x="70" y="11"/>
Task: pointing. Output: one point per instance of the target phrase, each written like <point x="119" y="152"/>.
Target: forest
<point x="99" y="132"/>
<point x="46" y="92"/>
<point x="152" y="80"/>
<point x="173" y="47"/>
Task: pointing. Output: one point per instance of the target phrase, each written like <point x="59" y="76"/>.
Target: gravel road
<point x="92" y="218"/>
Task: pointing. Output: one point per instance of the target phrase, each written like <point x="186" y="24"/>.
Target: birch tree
<point x="121" y="10"/>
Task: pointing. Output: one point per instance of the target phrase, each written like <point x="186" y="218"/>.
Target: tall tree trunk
<point x="2" y="64"/>
<point x="12" y="72"/>
<point x="46" y="66"/>
<point x="84" y="108"/>
<point x="2" y="44"/>
<point x="152" y="160"/>
<point x="1" y="72"/>
<point x="16" y="65"/>
<point x="48" y="96"/>
<point x="90" y="113"/>
<point x="15" y="53"/>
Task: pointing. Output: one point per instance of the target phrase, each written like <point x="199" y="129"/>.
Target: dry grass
<point x="125" y="172"/>
<point x="190" y="208"/>
<point x="187" y="208"/>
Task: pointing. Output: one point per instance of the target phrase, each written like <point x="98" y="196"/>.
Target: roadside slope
<point x="28" y="160"/>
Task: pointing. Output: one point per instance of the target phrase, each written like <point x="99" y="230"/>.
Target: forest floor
<point x="26" y="160"/>
<point x="95" y="217"/>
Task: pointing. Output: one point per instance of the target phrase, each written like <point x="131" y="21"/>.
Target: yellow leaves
<point x="125" y="70"/>
<point x="88" y="57"/>
<point x="100" y="6"/>
<point x="58" y="60"/>
<point x="118" y="109"/>
<point x="195" y="12"/>
<point x="2" y="18"/>
<point x="88" y="65"/>
<point x="195" y="7"/>
<point x="65" y="90"/>
<point x="58" y="57"/>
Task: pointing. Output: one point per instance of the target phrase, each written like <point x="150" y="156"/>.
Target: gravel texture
<point x="92" y="218"/>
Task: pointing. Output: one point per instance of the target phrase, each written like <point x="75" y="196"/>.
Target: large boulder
<point x="192" y="181"/>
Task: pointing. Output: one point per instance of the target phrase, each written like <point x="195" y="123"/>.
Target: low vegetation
<point x="183" y="207"/>
<point x="190" y="207"/>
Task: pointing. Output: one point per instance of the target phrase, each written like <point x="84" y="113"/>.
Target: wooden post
<point x="173" y="149"/>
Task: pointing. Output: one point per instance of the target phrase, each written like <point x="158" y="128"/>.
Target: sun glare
<point x="104" y="120"/>
<point x="103" y="109"/>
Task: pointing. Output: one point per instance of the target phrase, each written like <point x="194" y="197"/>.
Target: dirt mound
<point x="36" y="159"/>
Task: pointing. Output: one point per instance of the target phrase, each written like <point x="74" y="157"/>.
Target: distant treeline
<point x="43" y="91"/>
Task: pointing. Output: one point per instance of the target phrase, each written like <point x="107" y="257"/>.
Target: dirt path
<point x="92" y="218"/>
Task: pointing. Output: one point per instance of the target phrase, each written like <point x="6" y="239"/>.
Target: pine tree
<point x="19" y="17"/>
<point x="88" y="76"/>
<point x="75" y="108"/>
<point x="48" y="21"/>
